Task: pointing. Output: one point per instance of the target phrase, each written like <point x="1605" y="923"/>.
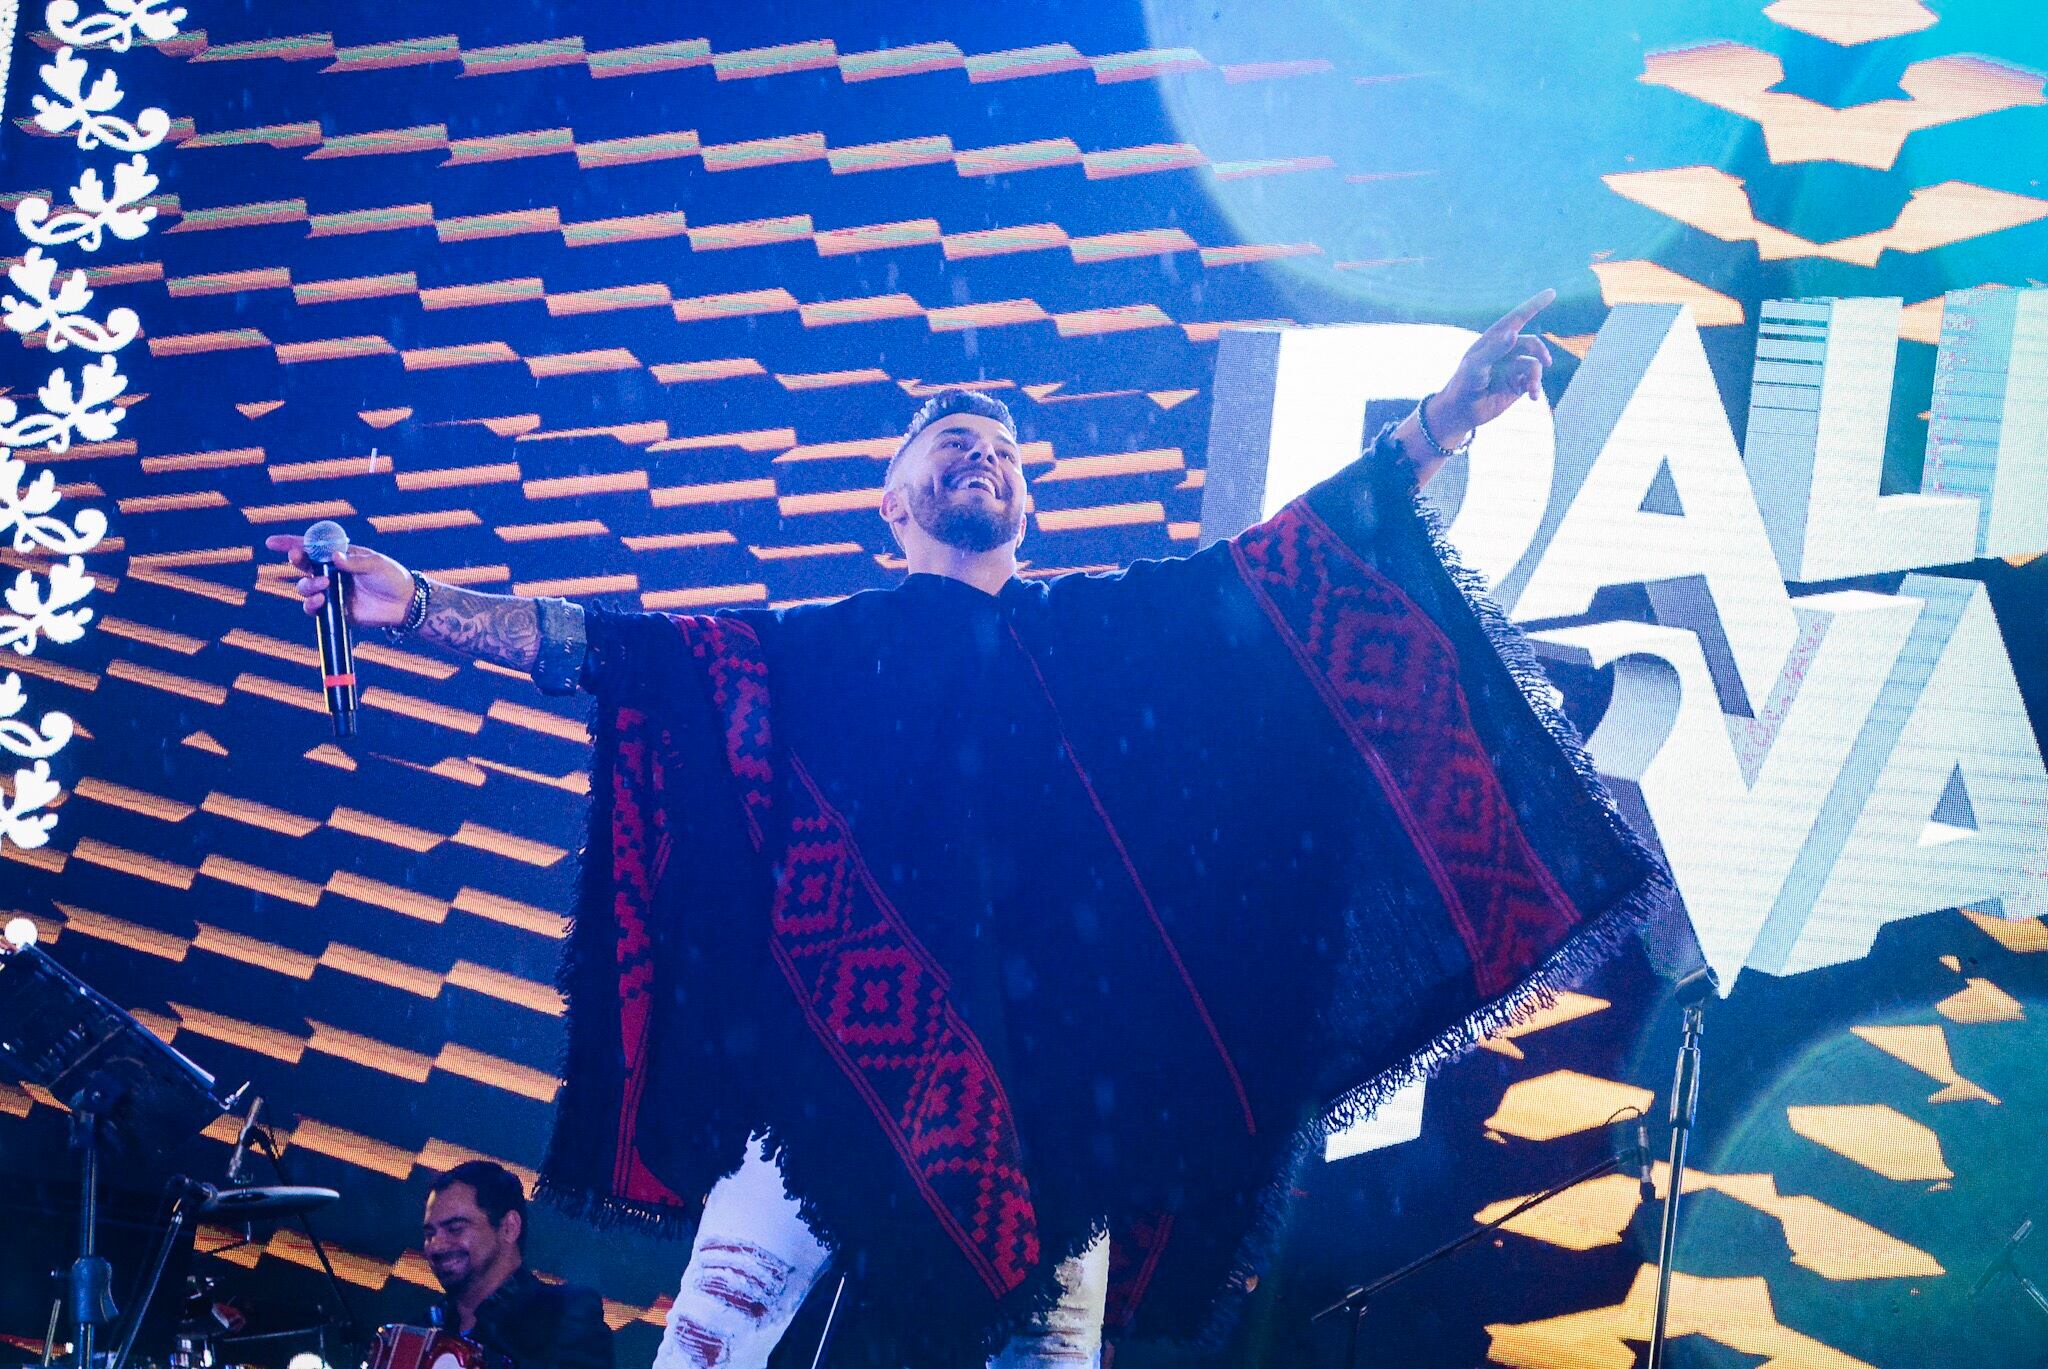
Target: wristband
<point x="558" y="661"/>
<point x="1443" y="452"/>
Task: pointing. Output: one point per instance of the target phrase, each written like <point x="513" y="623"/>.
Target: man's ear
<point x="893" y="512"/>
<point x="512" y="1227"/>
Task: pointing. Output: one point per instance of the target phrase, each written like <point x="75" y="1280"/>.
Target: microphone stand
<point x="1685" y="1097"/>
<point x="89" y="1286"/>
<point x="127" y="1092"/>
<point x="1358" y="1299"/>
<point x="182" y="1211"/>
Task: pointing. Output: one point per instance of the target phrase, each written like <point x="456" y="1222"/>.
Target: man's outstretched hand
<point x="380" y="590"/>
<point x="1501" y="366"/>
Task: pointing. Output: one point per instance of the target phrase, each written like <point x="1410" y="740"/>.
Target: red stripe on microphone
<point x="334" y="681"/>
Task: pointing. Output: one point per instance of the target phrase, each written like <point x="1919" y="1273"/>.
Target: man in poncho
<point x="1009" y="941"/>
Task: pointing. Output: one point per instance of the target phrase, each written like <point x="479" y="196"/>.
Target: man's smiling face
<point x="461" y="1242"/>
<point x="961" y="482"/>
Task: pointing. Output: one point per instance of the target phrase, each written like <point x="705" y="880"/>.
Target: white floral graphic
<point x="45" y="604"/>
<point x="58" y="309"/>
<point x="116" y="26"/>
<point x="20" y="823"/>
<point x="89" y="412"/>
<point x="31" y="743"/>
<point x="52" y="612"/>
<point x="95" y="211"/>
<point x="28" y="512"/>
<point x="87" y="110"/>
<point x="33" y="789"/>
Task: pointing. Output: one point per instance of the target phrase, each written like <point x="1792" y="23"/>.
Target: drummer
<point x="475" y="1225"/>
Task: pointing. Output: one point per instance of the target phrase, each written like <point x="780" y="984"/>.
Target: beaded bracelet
<point x="416" y="611"/>
<point x="1443" y="452"/>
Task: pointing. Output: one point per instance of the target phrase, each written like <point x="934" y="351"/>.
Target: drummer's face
<point x="458" y="1238"/>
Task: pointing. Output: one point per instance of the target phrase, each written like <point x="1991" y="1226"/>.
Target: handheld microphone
<point x="235" y="1161"/>
<point x="326" y="544"/>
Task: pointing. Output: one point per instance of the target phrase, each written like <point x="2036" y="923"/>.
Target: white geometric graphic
<point x="1393" y="1122"/>
<point x="1939" y="90"/>
<point x="1719" y="204"/>
<point x="1733" y="821"/>
<point x="1643" y="408"/>
<point x="1850" y="22"/>
<point x="1987" y="437"/>
<point x="1819" y="409"/>
<point x="1949" y="801"/>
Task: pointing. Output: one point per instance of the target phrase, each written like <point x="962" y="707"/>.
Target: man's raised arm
<point x="1502" y="365"/>
<point x="507" y="629"/>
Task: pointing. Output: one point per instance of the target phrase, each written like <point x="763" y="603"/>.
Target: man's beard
<point x="464" y="1274"/>
<point x="455" y="1281"/>
<point x="968" y="526"/>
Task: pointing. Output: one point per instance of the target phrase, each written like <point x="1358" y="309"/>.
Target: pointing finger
<point x="1499" y="340"/>
<point x="1517" y="318"/>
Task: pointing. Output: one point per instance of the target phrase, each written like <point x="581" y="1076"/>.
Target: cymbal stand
<point x="351" y="1329"/>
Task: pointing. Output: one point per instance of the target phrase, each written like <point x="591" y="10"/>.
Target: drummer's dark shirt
<point x="536" y="1325"/>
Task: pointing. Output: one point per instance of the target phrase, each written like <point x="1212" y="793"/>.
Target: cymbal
<point x="272" y="1200"/>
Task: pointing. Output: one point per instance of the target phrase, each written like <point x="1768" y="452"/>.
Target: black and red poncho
<point x="1008" y="918"/>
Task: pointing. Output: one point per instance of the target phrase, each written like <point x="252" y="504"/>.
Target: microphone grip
<point x="337" y="653"/>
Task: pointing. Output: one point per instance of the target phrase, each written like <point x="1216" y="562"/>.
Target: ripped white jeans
<point x="754" y="1260"/>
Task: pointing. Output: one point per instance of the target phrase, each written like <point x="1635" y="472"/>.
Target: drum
<point x="425" y="1347"/>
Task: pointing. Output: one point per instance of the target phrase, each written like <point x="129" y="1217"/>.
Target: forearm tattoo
<point x="504" y="628"/>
